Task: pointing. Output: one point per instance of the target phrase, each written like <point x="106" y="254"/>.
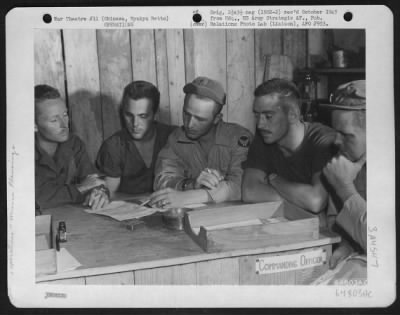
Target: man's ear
<point x="293" y="115"/>
<point x="36" y="128"/>
<point x="218" y="118"/>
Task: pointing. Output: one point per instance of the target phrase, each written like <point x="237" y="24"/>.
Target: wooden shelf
<point x="334" y="70"/>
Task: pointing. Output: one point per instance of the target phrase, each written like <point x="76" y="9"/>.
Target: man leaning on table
<point x="346" y="172"/>
<point x="287" y="155"/>
<point x="128" y="157"/>
<point x="201" y="161"/>
<point x="63" y="171"/>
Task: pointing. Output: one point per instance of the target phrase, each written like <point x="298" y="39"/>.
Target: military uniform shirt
<point x="56" y="178"/>
<point x="352" y="217"/>
<point x="183" y="158"/>
<point x="119" y="157"/>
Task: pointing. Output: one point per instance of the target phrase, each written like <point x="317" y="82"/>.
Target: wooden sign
<point x="282" y="263"/>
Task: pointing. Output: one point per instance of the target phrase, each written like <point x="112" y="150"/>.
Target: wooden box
<point x="43" y="232"/>
<point x="244" y="226"/>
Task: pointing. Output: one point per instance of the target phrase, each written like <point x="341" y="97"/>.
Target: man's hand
<point x="97" y="198"/>
<point x="208" y="178"/>
<point x="168" y="198"/>
<point x="341" y="173"/>
<point x="89" y="183"/>
<point x="343" y="251"/>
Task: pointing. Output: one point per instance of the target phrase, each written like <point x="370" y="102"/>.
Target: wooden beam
<point x="123" y="278"/>
<point x="115" y="73"/>
<point x="294" y="46"/>
<point x="241" y="77"/>
<point x="160" y="37"/>
<point x="267" y="42"/>
<point x="176" y="73"/>
<point x="143" y="55"/>
<point x="205" y="55"/>
<point x="82" y="69"/>
<point x="49" y="63"/>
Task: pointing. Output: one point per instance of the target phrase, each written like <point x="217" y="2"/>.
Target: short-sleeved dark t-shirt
<point x="314" y="152"/>
<point x="119" y="157"/>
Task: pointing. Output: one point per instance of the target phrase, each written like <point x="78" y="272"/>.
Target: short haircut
<point x="45" y="92"/>
<point x="286" y="90"/>
<point x="218" y="107"/>
<point x="141" y="89"/>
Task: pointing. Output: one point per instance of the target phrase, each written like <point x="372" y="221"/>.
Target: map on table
<point x="124" y="210"/>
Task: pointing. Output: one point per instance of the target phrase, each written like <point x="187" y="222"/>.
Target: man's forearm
<point x="168" y="181"/>
<point x="225" y="191"/>
<point x="257" y="191"/>
<point x="353" y="219"/>
<point x="303" y="195"/>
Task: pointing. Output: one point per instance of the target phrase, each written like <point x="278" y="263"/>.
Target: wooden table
<point x="110" y="253"/>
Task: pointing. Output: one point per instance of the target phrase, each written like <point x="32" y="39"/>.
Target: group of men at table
<point x="207" y="160"/>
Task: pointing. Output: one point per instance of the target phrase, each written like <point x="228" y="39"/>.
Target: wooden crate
<point x="246" y="226"/>
<point x="43" y="232"/>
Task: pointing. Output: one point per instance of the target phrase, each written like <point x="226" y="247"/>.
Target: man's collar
<point x="64" y="150"/>
<point x="220" y="137"/>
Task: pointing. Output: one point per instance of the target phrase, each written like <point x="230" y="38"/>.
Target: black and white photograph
<point x="214" y="155"/>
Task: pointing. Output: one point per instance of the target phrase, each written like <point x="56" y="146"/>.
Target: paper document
<point x="195" y="205"/>
<point x="124" y="210"/>
<point x="65" y="261"/>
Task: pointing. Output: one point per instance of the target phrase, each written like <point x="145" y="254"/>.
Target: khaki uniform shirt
<point x="56" y="178"/>
<point x="183" y="158"/>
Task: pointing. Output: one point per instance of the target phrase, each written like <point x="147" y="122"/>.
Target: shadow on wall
<point x="93" y="117"/>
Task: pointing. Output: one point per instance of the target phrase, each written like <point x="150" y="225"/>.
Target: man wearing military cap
<point x="346" y="172"/>
<point x="201" y="161"/>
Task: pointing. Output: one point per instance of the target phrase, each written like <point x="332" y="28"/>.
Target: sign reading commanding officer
<point x="287" y="155"/>
<point x="202" y="160"/>
<point x="63" y="171"/>
<point x="128" y="157"/>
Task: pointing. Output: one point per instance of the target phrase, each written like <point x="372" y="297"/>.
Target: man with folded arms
<point x="201" y="162"/>
<point x="63" y="171"/>
<point x="287" y="155"/>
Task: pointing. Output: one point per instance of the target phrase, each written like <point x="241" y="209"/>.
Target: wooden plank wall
<point x="92" y="67"/>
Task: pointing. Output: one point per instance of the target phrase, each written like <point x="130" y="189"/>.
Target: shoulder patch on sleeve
<point x="244" y="141"/>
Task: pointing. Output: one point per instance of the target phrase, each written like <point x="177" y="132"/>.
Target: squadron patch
<point x="244" y="141"/>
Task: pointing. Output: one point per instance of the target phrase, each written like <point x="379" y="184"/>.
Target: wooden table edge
<point x="325" y="238"/>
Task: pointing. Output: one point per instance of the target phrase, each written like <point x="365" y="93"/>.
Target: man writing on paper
<point x="63" y="171"/>
<point x="287" y="155"/>
<point x="128" y="157"/>
<point x="346" y="173"/>
<point x="202" y="160"/>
